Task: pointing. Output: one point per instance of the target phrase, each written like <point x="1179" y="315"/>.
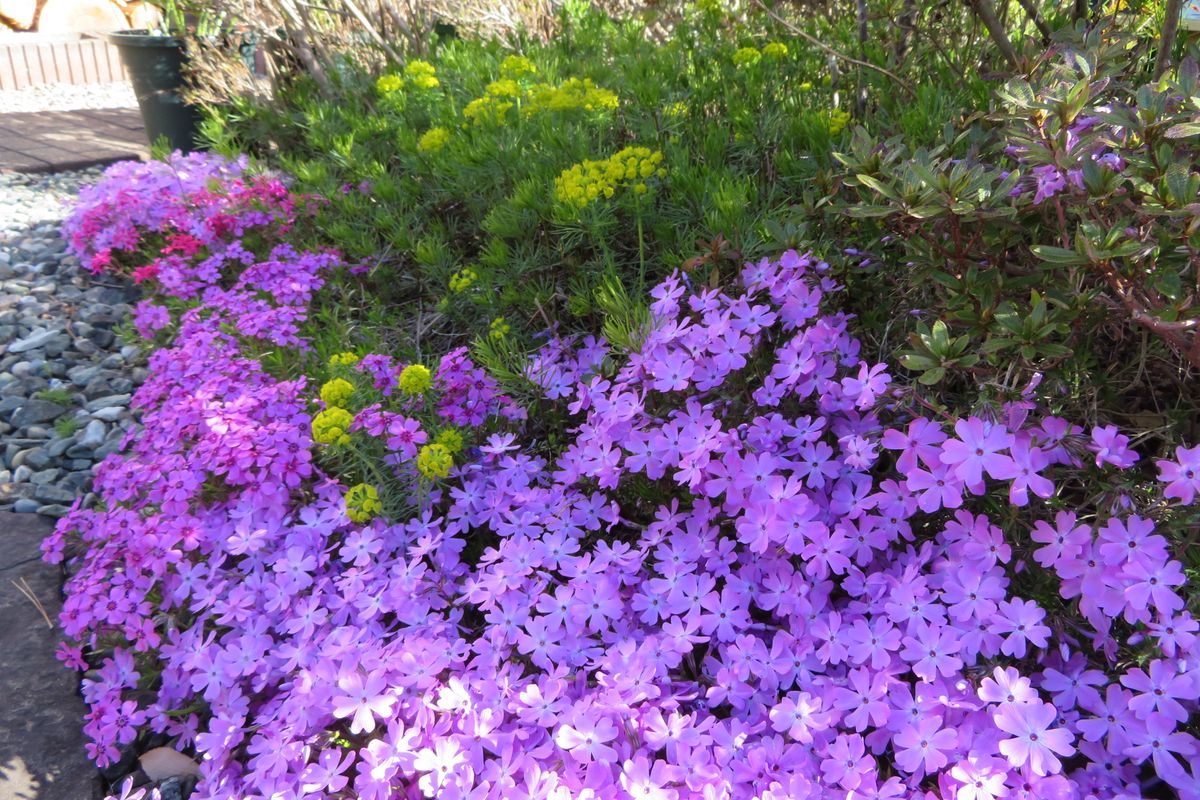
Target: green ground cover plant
<point x="493" y="192"/>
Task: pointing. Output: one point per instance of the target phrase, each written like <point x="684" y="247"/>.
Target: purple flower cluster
<point x="750" y="573"/>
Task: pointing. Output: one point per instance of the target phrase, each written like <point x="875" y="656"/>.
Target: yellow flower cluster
<point x="775" y="50"/>
<point x="498" y="329"/>
<point x="330" y="426"/>
<point x="517" y="66"/>
<point x="746" y="57"/>
<point x="487" y="110"/>
<point x="362" y="502"/>
<point x="505" y="87"/>
<point x="389" y="84"/>
<point x="422" y="74"/>
<point x="571" y="94"/>
<point x="451" y="439"/>
<point x="838" y="120"/>
<point x="504" y="93"/>
<point x="415" y="379"/>
<point x="343" y="359"/>
<point x="435" y="460"/>
<point x="462" y="280"/>
<point x="336" y="392"/>
<point x="590" y="180"/>
<point x="433" y="140"/>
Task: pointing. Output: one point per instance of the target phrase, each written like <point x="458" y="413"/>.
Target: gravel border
<point x="68" y="97"/>
<point x="65" y="375"/>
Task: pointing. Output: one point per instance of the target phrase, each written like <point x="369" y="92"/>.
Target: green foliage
<point x="424" y="182"/>
<point x="66" y="426"/>
<point x="61" y="396"/>
<point x="1051" y="240"/>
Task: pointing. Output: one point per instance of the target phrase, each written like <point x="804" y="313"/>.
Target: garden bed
<point x="460" y="477"/>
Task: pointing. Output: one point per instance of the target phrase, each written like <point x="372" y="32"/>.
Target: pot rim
<point x="142" y="37"/>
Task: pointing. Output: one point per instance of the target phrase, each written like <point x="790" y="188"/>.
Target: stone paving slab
<point x="53" y="141"/>
<point x="41" y="743"/>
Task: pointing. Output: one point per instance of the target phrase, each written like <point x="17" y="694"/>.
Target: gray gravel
<point x="66" y="97"/>
<point x="65" y="374"/>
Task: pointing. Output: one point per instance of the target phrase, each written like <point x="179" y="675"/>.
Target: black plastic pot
<point x="155" y="66"/>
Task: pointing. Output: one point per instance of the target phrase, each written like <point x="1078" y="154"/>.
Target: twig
<point x="987" y="14"/>
<point x="370" y="29"/>
<point x="24" y="588"/>
<point x="1167" y="42"/>
<point x="1036" y="18"/>
<point x="850" y="59"/>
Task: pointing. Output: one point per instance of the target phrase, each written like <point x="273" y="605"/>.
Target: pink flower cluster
<point x="750" y="573"/>
<point x="161" y="216"/>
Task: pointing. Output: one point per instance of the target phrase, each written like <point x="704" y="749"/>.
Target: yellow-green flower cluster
<point x="343" y="359"/>
<point x="775" y="50"/>
<point x="389" y="84"/>
<point x="676" y="110"/>
<point x="331" y="426"/>
<point x="451" y="439"/>
<point x="571" y="94"/>
<point x="422" y="74"/>
<point x="487" y="110"/>
<point x="498" y="328"/>
<point x="838" y="119"/>
<point x="590" y="180"/>
<point x="336" y="392"/>
<point x="435" y="460"/>
<point x="362" y="503"/>
<point x="462" y="280"/>
<point x="517" y="66"/>
<point x="415" y="379"/>
<point x="433" y="140"/>
<point x="746" y="57"/>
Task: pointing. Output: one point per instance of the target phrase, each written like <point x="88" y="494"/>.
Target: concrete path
<point x="41" y="746"/>
<point x="52" y="141"/>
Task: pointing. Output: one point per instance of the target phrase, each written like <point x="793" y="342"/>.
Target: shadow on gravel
<point x="41" y="744"/>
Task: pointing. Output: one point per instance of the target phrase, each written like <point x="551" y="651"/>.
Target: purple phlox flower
<point x="978" y="449"/>
<point x="922" y="748"/>
<point x="1007" y="686"/>
<point x="1112" y="447"/>
<point x="587" y="737"/>
<point x="1182" y="475"/>
<point x="1034" y="744"/>
<point x="363" y="698"/>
